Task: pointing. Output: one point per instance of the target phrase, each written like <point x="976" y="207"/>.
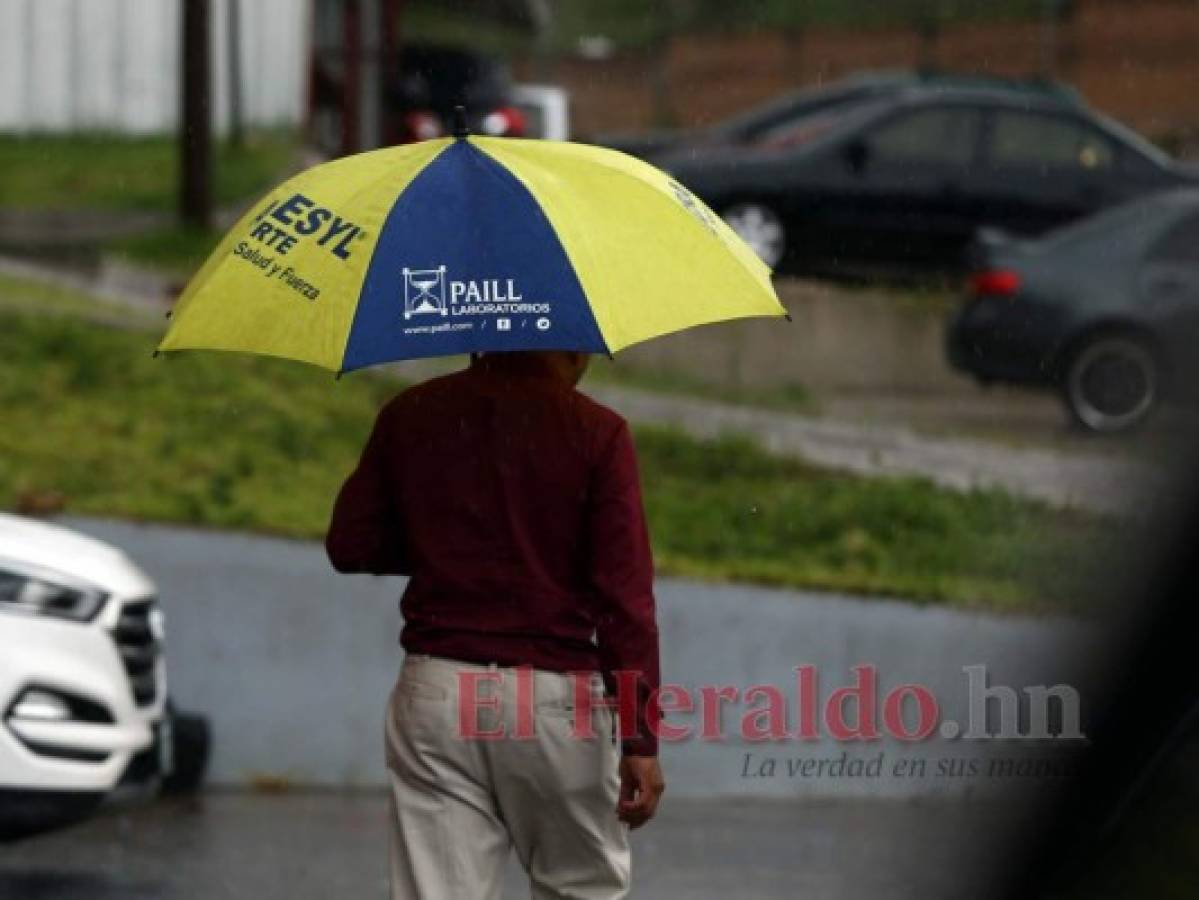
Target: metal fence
<point x="113" y="65"/>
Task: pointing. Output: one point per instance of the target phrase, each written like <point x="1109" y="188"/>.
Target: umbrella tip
<point x="461" y="129"/>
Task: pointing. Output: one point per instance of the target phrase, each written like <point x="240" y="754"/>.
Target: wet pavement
<point x="328" y="845"/>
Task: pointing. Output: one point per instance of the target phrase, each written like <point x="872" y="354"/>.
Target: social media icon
<point x="543" y="324"/>
<point x="503" y="324"/>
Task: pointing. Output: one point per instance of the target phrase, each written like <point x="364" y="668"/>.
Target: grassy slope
<point x="122" y="174"/>
<point x="178" y="250"/>
<point x="236" y="442"/>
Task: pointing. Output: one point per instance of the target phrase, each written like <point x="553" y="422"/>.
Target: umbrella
<point x="468" y="244"/>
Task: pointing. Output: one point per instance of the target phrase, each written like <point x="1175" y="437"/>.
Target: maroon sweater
<point x="514" y="504"/>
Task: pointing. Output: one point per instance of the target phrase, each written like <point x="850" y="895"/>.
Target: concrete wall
<point x="293" y="664"/>
<point x="113" y="65"/>
<point x="838" y="340"/>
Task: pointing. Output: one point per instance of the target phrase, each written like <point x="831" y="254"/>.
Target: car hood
<point x="44" y="545"/>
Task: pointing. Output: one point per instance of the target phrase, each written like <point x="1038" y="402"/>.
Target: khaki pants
<point x="459" y="805"/>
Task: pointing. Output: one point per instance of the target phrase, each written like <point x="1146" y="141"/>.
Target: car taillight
<point x="995" y="283"/>
<point x="507" y="121"/>
<point x="422" y="126"/>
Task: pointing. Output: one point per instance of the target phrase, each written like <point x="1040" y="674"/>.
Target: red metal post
<point x="390" y="13"/>
<point x="351" y="80"/>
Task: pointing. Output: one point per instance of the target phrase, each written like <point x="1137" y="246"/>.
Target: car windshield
<point x="821" y="124"/>
<point x="776" y="114"/>
<point x="1138" y="143"/>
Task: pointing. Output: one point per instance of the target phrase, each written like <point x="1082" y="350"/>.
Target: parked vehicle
<point x="1106" y="311"/>
<point x="83" y="691"/>
<point x="752" y="125"/>
<point x="905" y="182"/>
<point x="430" y="80"/>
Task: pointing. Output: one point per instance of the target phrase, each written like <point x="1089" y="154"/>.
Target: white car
<point x="83" y="695"/>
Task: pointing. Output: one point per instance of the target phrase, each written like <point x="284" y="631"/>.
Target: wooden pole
<point x="236" y="113"/>
<point x="195" y="117"/>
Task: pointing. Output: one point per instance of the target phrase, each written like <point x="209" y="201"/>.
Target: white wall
<point x="113" y="65"/>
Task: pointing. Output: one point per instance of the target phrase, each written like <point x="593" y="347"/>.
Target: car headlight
<point x="28" y="595"/>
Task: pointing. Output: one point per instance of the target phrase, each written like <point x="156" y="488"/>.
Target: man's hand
<point x="641" y="787"/>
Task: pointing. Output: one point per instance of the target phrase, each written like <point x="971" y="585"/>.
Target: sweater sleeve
<point x="364" y="532"/>
<point x="622" y="574"/>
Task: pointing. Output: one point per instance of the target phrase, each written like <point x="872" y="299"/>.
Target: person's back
<point x="494" y="494"/>
<point x="513" y="503"/>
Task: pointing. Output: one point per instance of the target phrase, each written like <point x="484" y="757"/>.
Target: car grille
<point x="139" y="649"/>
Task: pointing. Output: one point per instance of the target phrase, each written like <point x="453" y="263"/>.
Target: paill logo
<point x="424" y="292"/>
<point x="431" y="292"/>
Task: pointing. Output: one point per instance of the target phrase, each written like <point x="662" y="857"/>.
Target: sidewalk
<point x="1098" y="482"/>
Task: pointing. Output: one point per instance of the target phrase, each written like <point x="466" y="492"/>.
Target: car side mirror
<point x="857" y="156"/>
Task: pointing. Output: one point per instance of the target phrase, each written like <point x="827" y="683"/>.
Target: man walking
<point x="513" y="502"/>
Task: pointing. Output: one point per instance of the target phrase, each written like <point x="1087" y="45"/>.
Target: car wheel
<point x="1112" y="382"/>
<point x="192" y="746"/>
<point x="759" y="227"/>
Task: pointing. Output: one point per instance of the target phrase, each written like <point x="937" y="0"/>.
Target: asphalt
<point x="326" y="845"/>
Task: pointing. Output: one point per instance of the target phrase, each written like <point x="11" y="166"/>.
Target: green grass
<point x="229" y="441"/>
<point x="728" y="510"/>
<point x="178" y="250"/>
<point x="127" y="174"/>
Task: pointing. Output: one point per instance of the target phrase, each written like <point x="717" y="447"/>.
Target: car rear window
<point x="1039" y="140"/>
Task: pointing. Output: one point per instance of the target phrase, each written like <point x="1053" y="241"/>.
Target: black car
<point x="429" y="80"/>
<point x="1106" y="310"/>
<point x="759" y="121"/>
<point x="905" y="182"/>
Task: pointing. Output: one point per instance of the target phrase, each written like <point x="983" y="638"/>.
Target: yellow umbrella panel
<point x="469" y="244"/>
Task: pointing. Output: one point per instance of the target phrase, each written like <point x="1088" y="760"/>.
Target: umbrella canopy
<point x="468" y="244"/>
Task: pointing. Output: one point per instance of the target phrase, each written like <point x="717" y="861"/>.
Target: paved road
<point x="1103" y="482"/>
<point x="322" y="846"/>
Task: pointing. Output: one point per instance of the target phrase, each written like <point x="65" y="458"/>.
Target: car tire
<point x="761" y="228"/>
<point x="192" y="746"/>
<point x="1112" y="382"/>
